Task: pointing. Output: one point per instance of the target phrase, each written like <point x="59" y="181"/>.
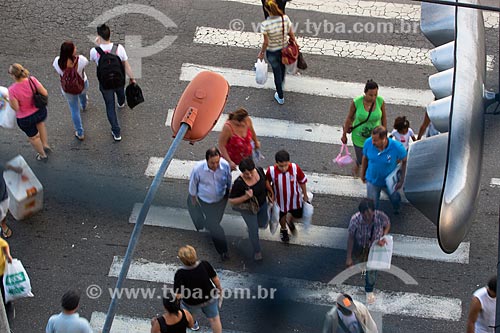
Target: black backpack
<point x="110" y="69"/>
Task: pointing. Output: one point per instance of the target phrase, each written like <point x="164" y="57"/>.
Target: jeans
<point x="213" y="215"/>
<point x="274" y="59"/>
<point x="373" y="192"/>
<point x="109" y="100"/>
<point x="254" y="222"/>
<point x="370" y="275"/>
<point x="74" y="102"/>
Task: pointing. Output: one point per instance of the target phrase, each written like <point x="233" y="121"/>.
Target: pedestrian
<point x="289" y="187"/>
<point x="68" y="321"/>
<point x="276" y="30"/>
<point x="281" y="5"/>
<point x="402" y="132"/>
<point x="235" y="139"/>
<point x="365" y="113"/>
<point x="427" y="129"/>
<point x="482" y="309"/>
<point x="65" y="65"/>
<point x="381" y="156"/>
<point x="252" y="183"/>
<point x="174" y="320"/>
<point x="111" y="74"/>
<point x="366" y="227"/>
<point x="209" y="186"/>
<point x="30" y="119"/>
<point x="198" y="287"/>
<point x="349" y="316"/>
<point x="4" y="258"/>
<point x="4" y="201"/>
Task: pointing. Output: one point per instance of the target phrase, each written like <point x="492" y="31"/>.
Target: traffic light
<point x="444" y="171"/>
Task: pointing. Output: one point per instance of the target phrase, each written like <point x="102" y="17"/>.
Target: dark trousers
<point x="213" y="215"/>
<point x="281" y="4"/>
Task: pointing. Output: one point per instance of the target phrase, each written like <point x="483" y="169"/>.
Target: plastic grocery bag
<point x="16" y="281"/>
<point x="308" y="211"/>
<point x="292" y="68"/>
<point x="261" y="71"/>
<point x="7" y="114"/>
<point x="380" y="257"/>
<point x="275" y="218"/>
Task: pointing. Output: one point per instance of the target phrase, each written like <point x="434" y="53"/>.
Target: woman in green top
<point x="365" y="113"/>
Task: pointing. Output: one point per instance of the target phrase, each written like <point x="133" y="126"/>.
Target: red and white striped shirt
<point x="287" y="191"/>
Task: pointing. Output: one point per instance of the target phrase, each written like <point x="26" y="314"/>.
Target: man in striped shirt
<point x="289" y="186"/>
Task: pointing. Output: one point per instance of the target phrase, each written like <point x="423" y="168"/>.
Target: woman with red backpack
<point x="74" y="83"/>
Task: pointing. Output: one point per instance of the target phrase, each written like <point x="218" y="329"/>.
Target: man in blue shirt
<point x="381" y="156"/>
<point x="209" y="186"/>
<point x="68" y="321"/>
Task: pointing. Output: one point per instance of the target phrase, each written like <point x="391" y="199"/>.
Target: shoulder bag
<point x="352" y="128"/>
<point x="40" y="100"/>
<point x="290" y="52"/>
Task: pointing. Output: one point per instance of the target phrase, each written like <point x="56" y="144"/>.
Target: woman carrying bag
<point x="249" y="197"/>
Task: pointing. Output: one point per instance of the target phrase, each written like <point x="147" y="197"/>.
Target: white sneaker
<point x="370" y="298"/>
<point x="280" y="101"/>
<point x="122" y="105"/>
<point x="116" y="137"/>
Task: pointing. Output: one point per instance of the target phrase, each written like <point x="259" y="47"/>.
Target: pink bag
<point x="343" y="160"/>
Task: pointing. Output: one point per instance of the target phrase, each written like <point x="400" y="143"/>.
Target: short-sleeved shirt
<point x="193" y="280"/>
<point x="23" y="93"/>
<point x="382" y="163"/>
<point x="68" y="323"/>
<point x="120" y="51"/>
<point x="286" y="186"/>
<point x="82" y="63"/>
<point x="364" y="131"/>
<point x="366" y="233"/>
<point x="403" y="138"/>
<point x="273" y="28"/>
<point x="259" y="189"/>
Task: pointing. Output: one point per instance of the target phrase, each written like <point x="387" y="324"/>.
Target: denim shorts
<point x="210" y="308"/>
<point x="28" y="124"/>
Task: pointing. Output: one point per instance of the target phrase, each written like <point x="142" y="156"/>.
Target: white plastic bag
<point x="16" y="281"/>
<point x="380" y="257"/>
<point x="7" y="114"/>
<point x="307" y="211"/>
<point x="261" y="71"/>
<point x="275" y="218"/>
<point x="292" y="68"/>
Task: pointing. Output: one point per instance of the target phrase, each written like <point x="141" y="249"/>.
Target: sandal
<point x="41" y="158"/>
<point x="7" y="233"/>
<point x="48" y="150"/>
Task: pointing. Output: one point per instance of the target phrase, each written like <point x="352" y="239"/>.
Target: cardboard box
<point x="25" y="190"/>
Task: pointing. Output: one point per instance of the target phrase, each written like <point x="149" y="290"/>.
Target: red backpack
<point x="71" y="81"/>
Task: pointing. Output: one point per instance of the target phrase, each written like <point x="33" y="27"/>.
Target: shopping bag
<point x="16" y="281"/>
<point x="380" y="257"/>
<point x="275" y="218"/>
<point x="301" y="62"/>
<point x="307" y="213"/>
<point x="291" y="69"/>
<point x="7" y="114"/>
<point x="134" y="95"/>
<point x="261" y="71"/>
<point x="343" y="160"/>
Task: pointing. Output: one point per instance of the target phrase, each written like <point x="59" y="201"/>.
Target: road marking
<point x="126" y="324"/>
<point x="326" y="47"/>
<point x="304" y="291"/>
<point x="315" y="236"/>
<point x="495" y="182"/>
<point x="375" y="9"/>
<point x="311" y="85"/>
<point x="284" y="129"/>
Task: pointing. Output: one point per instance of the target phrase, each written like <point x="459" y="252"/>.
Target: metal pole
<point x="460" y="4"/>
<point x="134" y="238"/>
<point x="4" y="323"/>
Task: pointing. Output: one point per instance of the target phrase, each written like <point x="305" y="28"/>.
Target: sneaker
<point x="292" y="228"/>
<point x="370" y="298"/>
<point x="257" y="256"/>
<point x="79" y="137"/>
<point x="116" y="137"/>
<point x="121" y="106"/>
<point x="280" y="101"/>
<point x="284" y="236"/>
<point x="41" y="158"/>
<point x="196" y="326"/>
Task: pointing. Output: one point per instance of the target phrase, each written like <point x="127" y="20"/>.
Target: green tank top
<point x="363" y="132"/>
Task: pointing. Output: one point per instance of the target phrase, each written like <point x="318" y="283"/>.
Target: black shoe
<point x="292" y="228"/>
<point x="284" y="236"/>
<point x="224" y="256"/>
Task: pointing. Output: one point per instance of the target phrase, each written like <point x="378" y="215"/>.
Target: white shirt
<point x="403" y="138"/>
<point x="486" y="317"/>
<point x="82" y="63"/>
<point x="68" y="323"/>
<point x="120" y="51"/>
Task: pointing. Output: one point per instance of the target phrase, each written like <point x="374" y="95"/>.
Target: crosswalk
<point x="303" y="290"/>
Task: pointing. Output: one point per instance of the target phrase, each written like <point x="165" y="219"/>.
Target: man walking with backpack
<point x="112" y="65"/>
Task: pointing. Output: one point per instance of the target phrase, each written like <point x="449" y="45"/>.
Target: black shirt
<point x="193" y="279"/>
<point x="259" y="189"/>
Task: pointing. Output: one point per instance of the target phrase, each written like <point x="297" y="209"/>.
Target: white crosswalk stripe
<point x="311" y="85"/>
<point x="325" y="47"/>
<point x="304" y="291"/>
<point x="374" y="9"/>
<point x="315" y="236"/>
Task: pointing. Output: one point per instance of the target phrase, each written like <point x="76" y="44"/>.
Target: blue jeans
<point x="253" y="223"/>
<point x="373" y="192"/>
<point x="74" y="103"/>
<point x="274" y="59"/>
<point x="109" y="100"/>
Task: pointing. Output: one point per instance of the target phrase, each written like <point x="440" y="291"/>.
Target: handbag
<point x="301" y="62"/>
<point x="251" y="205"/>
<point x="343" y="160"/>
<point x="40" y="100"/>
<point x="134" y="95"/>
<point x="290" y="52"/>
